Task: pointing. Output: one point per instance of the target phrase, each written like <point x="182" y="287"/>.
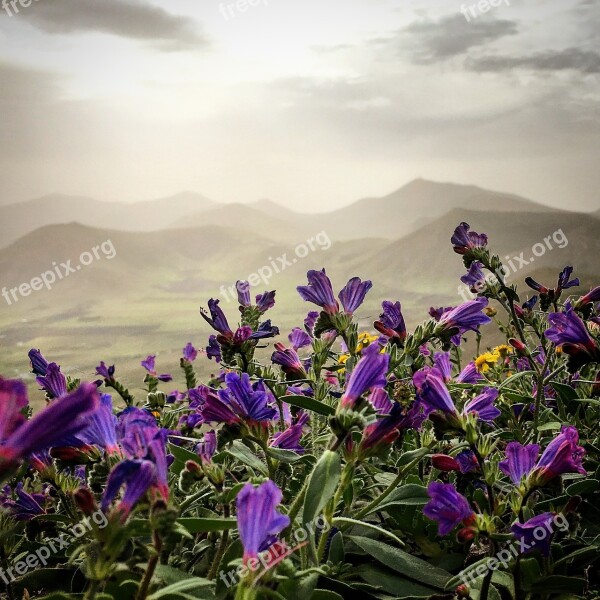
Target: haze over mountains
<point x="171" y="255"/>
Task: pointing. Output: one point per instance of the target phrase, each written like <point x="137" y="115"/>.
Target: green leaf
<point x="404" y="563"/>
<point x="181" y="457"/>
<point x="566" y="392"/>
<point x="514" y="378"/>
<point x="177" y="589"/>
<point x="407" y="495"/>
<point x="336" y="549"/>
<point x="284" y="456"/>
<point x="201" y="525"/>
<point x="558" y="583"/>
<point x="585" y="486"/>
<point x="321" y="485"/>
<point x="246" y="456"/>
<point x="309" y="404"/>
<point x="346" y="521"/>
<point x="392" y="583"/>
<point x="412" y="455"/>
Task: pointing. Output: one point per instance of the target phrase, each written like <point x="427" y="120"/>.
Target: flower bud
<point x="444" y="463"/>
<point x="85" y="501"/>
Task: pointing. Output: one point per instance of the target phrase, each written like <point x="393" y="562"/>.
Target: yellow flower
<point x="503" y="350"/>
<point x="486" y="360"/>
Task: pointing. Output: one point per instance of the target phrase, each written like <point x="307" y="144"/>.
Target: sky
<point x="310" y="103"/>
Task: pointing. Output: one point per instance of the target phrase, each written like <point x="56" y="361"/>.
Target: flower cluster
<point x="425" y="451"/>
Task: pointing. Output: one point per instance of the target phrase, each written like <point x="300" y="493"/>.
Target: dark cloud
<point x="124" y="18"/>
<point x="434" y="41"/>
<point x="571" y="58"/>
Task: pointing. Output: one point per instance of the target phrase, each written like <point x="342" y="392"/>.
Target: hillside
<point x="17" y="220"/>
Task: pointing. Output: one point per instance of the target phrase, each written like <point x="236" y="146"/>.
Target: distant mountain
<point x="415" y="204"/>
<point x="17" y="220"/>
<point x="243" y="217"/>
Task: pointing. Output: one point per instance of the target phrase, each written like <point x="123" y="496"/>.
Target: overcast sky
<point x="311" y="103"/>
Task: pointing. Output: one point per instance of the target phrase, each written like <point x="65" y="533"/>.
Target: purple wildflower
<point x="243" y="294"/>
<point x="150" y="365"/>
<point x="591" y="296"/>
<point x="370" y="372"/>
<point x="319" y="291"/>
<point x="289" y="361"/>
<point x="562" y="455"/>
<point x="466" y="317"/>
<point x="290" y="438"/>
<point x="353" y="294"/>
<point x="519" y="461"/>
<point x="265" y="301"/>
<point x="483" y="405"/>
<point x="213" y="350"/>
<point x="190" y="353"/>
<point x="469" y="374"/>
<point x="447" y="507"/>
<point x="535" y="534"/>
<point x="207" y="447"/>
<point x="299" y="338"/>
<point x="258" y="520"/>
<point x="432" y="391"/>
<point x="106" y="372"/>
<point x="475" y="278"/>
<point x="26" y="506"/>
<point x="391" y="321"/>
<point x="217" y="319"/>
<point x="38" y="363"/>
<point x="465" y="240"/>
<point x="54" y="383"/>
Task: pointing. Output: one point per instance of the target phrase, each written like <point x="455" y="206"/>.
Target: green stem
<point x="221" y="550"/>
<point x="150" y="568"/>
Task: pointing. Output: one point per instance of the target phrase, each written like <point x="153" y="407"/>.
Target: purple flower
<point x="470" y="374"/>
<point x="465" y="240"/>
<point x="265" y="330"/>
<point x="62" y="418"/>
<point x="591" y="296"/>
<point x="213" y="350"/>
<point x="217" y="319"/>
<point x="353" y="294"/>
<point x="535" y="534"/>
<point x="564" y="280"/>
<point x="519" y="461"/>
<point x="444" y="366"/>
<point x="207" y="447"/>
<point x="258" y="520"/>
<point x="562" y="455"/>
<point x="319" y="291"/>
<point x="238" y="402"/>
<point x="289" y="361"/>
<point x="299" y="338"/>
<point x="475" y="278"/>
<point x="466" y="317"/>
<point x="138" y="477"/>
<point x="432" y="391"/>
<point x="190" y="353"/>
<point x="265" y="301"/>
<point x="101" y="429"/>
<point x="310" y="320"/>
<point x="290" y="438"/>
<point x="106" y="372"/>
<point x="447" y="507"/>
<point x="483" y="405"/>
<point x="54" y="383"/>
<point x="549" y="296"/>
<point x="26" y="506"/>
<point x="243" y="293"/>
<point x="467" y="461"/>
<point x="391" y="322"/>
<point x="38" y="363"/>
<point x="149" y="365"/>
<point x="370" y="372"/>
<point x="570" y="332"/>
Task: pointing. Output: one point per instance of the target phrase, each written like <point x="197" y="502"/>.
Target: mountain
<point x="245" y="217"/>
<point x="415" y="204"/>
<point x="17" y="220"/>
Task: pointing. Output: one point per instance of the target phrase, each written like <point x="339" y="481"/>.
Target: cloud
<point x="131" y="19"/>
<point x="435" y="41"/>
<point x="569" y="59"/>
